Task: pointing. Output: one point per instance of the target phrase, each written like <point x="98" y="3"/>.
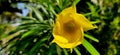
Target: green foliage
<point x="90" y="48"/>
<point x="34" y="35"/>
<point x="91" y="37"/>
<point x="77" y="51"/>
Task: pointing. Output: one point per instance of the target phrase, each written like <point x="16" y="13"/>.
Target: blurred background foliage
<point x="26" y="27"/>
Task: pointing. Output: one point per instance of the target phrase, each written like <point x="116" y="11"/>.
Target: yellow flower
<point x="69" y="27"/>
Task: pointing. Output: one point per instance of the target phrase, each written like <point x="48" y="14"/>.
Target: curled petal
<point x="84" y="22"/>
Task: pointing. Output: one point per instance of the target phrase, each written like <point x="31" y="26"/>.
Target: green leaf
<point x="52" y="9"/>
<point x="65" y="51"/>
<point x="41" y="1"/>
<point x="96" y="21"/>
<point x="115" y="23"/>
<point x="44" y="9"/>
<point x="65" y="3"/>
<point x="37" y="13"/>
<point x="77" y="51"/>
<point x="60" y="4"/>
<point x="75" y="2"/>
<point x="51" y="49"/>
<point x="28" y="33"/>
<point x="38" y="44"/>
<point x="91" y="7"/>
<point x="93" y="10"/>
<point x="91" y="37"/>
<point x="90" y="48"/>
<point x="27" y="18"/>
<point x="58" y="50"/>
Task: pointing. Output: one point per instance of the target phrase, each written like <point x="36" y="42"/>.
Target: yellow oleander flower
<point x="69" y="27"/>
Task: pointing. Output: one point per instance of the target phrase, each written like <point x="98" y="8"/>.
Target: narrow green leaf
<point x="65" y="3"/>
<point x="75" y="2"/>
<point x="77" y="51"/>
<point x="57" y="1"/>
<point x="91" y="7"/>
<point x="87" y="14"/>
<point x="44" y="9"/>
<point x="52" y="9"/>
<point x="65" y="51"/>
<point x="96" y="21"/>
<point x="58" y="50"/>
<point x="51" y="49"/>
<point x="90" y="48"/>
<point x="91" y="37"/>
<point x="27" y="18"/>
<point x="37" y="13"/>
<point x="38" y="44"/>
<point x="27" y="33"/>
<point x="60" y="4"/>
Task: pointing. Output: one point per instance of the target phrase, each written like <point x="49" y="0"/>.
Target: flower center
<point x="69" y="27"/>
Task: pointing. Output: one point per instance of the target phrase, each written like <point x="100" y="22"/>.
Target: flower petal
<point x="71" y="9"/>
<point x="56" y="32"/>
<point x="84" y="22"/>
<point x="66" y="45"/>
